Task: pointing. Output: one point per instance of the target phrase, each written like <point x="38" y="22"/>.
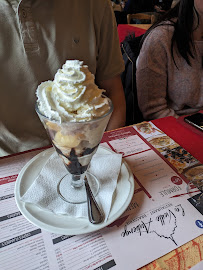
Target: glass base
<point x="76" y="195"/>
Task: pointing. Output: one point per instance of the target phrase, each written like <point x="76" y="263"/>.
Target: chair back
<point x="139" y="16"/>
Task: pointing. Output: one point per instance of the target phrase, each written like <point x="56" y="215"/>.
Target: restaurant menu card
<point x="160" y="217"/>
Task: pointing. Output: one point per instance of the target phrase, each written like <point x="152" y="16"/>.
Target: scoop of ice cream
<point x="72" y="95"/>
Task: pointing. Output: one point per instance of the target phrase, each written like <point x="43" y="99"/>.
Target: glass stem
<point x="77" y="180"/>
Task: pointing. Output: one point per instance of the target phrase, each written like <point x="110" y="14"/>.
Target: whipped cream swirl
<point x="72" y="95"/>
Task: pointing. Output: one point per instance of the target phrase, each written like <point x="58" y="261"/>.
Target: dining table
<point x="27" y="245"/>
<point x="191" y="139"/>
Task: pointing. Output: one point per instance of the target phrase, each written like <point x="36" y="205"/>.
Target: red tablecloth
<point x="184" y="134"/>
<point x="125" y="30"/>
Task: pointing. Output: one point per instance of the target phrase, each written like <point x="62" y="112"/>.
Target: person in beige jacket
<point x="37" y="37"/>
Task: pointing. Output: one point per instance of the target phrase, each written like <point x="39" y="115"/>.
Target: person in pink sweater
<point x="170" y="64"/>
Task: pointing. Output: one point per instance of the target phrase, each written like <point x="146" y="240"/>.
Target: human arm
<point x="152" y="76"/>
<point x="159" y="9"/>
<point x="152" y="94"/>
<point x="110" y="65"/>
<point x="114" y="90"/>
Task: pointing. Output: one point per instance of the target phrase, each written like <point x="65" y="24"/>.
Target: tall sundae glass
<point x="75" y="114"/>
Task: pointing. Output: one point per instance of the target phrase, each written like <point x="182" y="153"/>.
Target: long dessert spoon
<point x="94" y="212"/>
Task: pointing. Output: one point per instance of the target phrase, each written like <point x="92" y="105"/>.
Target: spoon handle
<point x="94" y="213"/>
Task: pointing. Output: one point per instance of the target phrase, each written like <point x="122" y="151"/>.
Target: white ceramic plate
<point x="64" y="224"/>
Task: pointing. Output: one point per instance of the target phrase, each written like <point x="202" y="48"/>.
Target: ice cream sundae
<point x="75" y="113"/>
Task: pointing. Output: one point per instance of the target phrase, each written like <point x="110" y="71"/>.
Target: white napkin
<point x="43" y="191"/>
